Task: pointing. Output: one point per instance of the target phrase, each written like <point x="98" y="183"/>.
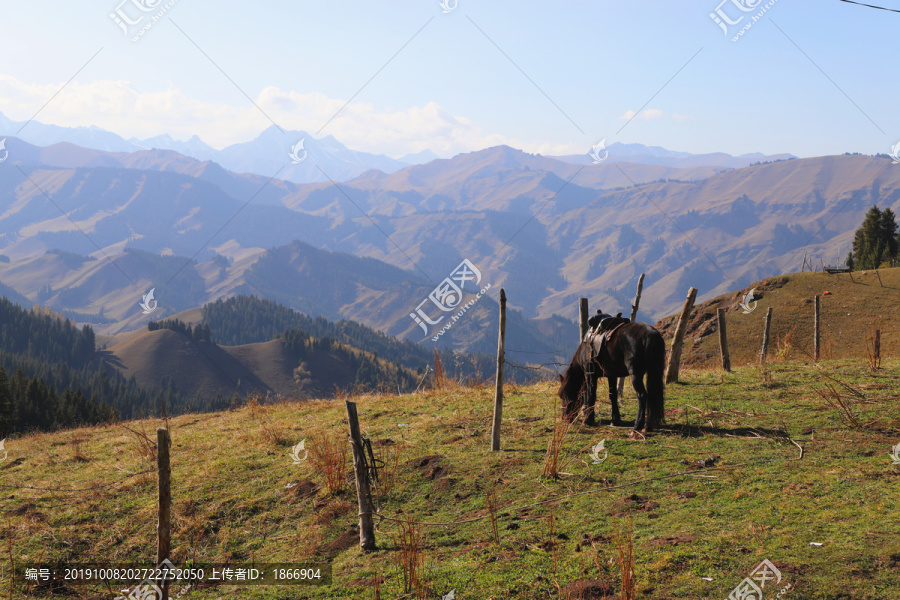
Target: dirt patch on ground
<point x="429" y="466"/>
<point x="14" y="463"/>
<point x="301" y="489"/>
<point x="588" y="589"/>
<point x="703" y="463"/>
<point x="673" y="540"/>
<point x="329" y="511"/>
<point x="630" y="504"/>
<point x="345" y="541"/>
<point x="366" y="582"/>
<point x="443" y="484"/>
<point x="28" y="509"/>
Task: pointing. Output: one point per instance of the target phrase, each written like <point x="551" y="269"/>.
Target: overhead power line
<point x="872" y="6"/>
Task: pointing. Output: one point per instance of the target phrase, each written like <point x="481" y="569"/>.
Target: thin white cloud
<point x="118" y="107"/>
<point x="647" y="114"/>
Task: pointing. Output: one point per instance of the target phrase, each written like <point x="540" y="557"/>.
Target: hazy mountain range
<point x="372" y="248"/>
<point x="270" y="154"/>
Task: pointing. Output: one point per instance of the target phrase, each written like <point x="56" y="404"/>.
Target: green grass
<point x="759" y="500"/>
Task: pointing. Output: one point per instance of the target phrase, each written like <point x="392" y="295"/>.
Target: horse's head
<point x="570" y="385"/>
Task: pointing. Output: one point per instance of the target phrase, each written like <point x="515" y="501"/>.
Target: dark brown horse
<point x="633" y="350"/>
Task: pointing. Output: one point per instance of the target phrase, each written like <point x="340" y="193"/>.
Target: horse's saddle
<point x="602" y="332"/>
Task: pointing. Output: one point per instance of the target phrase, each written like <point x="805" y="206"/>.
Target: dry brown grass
<point x="269" y="431"/>
<point x="142" y="444"/>
<point x="625" y="559"/>
<point x="329" y="454"/>
<point x="873" y="344"/>
<point x="553" y="461"/>
<point x="411" y="558"/>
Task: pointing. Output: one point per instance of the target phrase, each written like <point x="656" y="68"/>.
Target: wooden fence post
<point x="765" y="343"/>
<point x="723" y="340"/>
<point x="818" y="338"/>
<point x="675" y="352"/>
<point x="164" y="513"/>
<point x="363" y="494"/>
<point x="582" y="318"/>
<point x="634" y="310"/>
<point x="498" y="391"/>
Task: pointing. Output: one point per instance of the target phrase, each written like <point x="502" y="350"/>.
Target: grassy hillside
<point x="858" y="304"/>
<point x="207" y="370"/>
<point x="703" y="501"/>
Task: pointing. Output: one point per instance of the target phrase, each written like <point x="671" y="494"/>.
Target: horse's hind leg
<point x="614" y="399"/>
<point x="637" y="381"/>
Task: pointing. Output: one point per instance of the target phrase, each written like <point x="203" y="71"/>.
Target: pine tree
<point x="6" y="407"/>
<point x="875" y="242"/>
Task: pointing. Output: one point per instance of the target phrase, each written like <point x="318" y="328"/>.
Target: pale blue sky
<point x="451" y="89"/>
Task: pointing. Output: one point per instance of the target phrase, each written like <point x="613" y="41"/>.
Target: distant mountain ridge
<point x="266" y="155"/>
<point x="656" y="155"/>
<point x="548" y="231"/>
<point x="327" y="158"/>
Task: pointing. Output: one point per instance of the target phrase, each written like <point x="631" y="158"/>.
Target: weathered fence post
<point x="675" y="353"/>
<point x="817" y="340"/>
<point x="498" y="391"/>
<point x="164" y="513"/>
<point x="637" y="298"/>
<point x="363" y="494"/>
<point x="723" y="340"/>
<point x="765" y="342"/>
<point x="634" y="310"/>
<point x="881" y="283"/>
<point x="582" y="318"/>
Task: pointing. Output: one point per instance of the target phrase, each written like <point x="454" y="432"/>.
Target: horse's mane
<point x="572" y="377"/>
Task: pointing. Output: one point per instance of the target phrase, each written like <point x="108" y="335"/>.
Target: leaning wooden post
<point x="765" y="342"/>
<point x="637" y="298"/>
<point x="363" y="495"/>
<point x="723" y="340"/>
<point x="675" y="352"/>
<point x="818" y="338"/>
<point x="498" y="391"/>
<point x="164" y="514"/>
<point x="582" y="318"/>
<point x="634" y="310"/>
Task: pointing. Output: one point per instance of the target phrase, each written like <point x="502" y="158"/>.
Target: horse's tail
<point x="656" y="365"/>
